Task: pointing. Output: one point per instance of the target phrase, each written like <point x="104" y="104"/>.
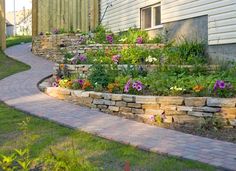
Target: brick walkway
<point x="20" y="91"/>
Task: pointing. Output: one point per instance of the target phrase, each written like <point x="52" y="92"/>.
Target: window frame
<point x="152" y="17"/>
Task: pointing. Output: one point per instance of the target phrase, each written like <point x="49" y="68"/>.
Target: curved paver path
<point x="20" y="91"/>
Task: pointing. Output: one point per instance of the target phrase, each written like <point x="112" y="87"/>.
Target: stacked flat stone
<point x="176" y="109"/>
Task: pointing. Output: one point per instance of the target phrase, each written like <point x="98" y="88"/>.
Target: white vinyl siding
<point x="221" y="15"/>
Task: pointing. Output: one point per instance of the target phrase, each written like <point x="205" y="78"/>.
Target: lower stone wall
<point x="52" y="47"/>
<point x="181" y="110"/>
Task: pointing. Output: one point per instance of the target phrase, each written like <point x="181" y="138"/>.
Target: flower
<point x="137" y="85"/>
<point x="220" y="84"/>
<point x="150" y="59"/>
<point x="81" y="82"/>
<point x="109" y="38"/>
<point x="127" y="86"/>
<point x="62" y="66"/>
<point x="152" y="118"/>
<point x="55" y="84"/>
<point x="82" y="58"/>
<point x="139" y="40"/>
<point x="86" y="85"/>
<point x="116" y="58"/>
<point x="175" y="88"/>
<point x="198" y="88"/>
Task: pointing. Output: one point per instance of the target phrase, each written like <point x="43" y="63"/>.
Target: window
<point x="151" y="17"/>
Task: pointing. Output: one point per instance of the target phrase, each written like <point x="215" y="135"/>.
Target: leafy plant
<point x="103" y="74"/>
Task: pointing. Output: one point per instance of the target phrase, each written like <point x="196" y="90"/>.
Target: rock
<point x="85" y="94"/>
<point x="232" y="122"/>
<point x="175" y="112"/>
<point x="181" y="119"/>
<point x="221" y="102"/>
<point x="102" y="106"/>
<point x="44" y="85"/>
<point x="153" y="112"/>
<point x="168" y="119"/>
<point x="63" y="91"/>
<point x="146" y="99"/>
<point x="134" y="105"/>
<point x="184" y="108"/>
<point x="76" y="93"/>
<point x="125" y="110"/>
<point x="128" y="98"/>
<point x="137" y="111"/>
<point x="151" y="106"/>
<point x="98" y="101"/>
<point x="116" y="97"/>
<point x="170" y="107"/>
<point x="229" y="111"/>
<point x="121" y="104"/>
<point x="96" y="95"/>
<point x="114" y="108"/>
<point x="109" y="102"/>
<point x="170" y="100"/>
<point x="86" y="101"/>
<point x="195" y="101"/>
<point x="107" y="96"/>
<point x="200" y="114"/>
<point x="206" y="109"/>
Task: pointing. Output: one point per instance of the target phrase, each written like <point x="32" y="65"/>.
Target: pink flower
<point x="139" y="40"/>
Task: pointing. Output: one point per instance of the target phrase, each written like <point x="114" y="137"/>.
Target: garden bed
<point x="54" y="47"/>
<point x="195" y="115"/>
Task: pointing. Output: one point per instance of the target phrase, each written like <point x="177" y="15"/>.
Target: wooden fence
<point x="2" y="25"/>
<point x="65" y="14"/>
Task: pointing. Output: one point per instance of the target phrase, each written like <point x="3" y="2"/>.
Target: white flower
<point x="150" y="59"/>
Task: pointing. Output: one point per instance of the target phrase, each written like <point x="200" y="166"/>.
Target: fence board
<point x="67" y="14"/>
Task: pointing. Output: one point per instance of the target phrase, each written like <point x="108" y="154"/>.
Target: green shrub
<point x="102" y="74"/>
<point x="130" y="36"/>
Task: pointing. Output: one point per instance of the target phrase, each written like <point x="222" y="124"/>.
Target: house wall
<point x="221" y="15"/>
<point x="10" y="31"/>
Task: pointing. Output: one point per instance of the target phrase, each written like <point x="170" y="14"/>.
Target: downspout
<point x="109" y="4"/>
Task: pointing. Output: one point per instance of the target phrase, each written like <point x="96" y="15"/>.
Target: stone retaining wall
<point x="52" y="47"/>
<point x="190" y="110"/>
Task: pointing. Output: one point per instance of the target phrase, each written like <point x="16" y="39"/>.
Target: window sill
<point x="154" y="28"/>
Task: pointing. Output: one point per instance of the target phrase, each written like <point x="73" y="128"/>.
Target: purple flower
<point x="81" y="82"/>
<point x="109" y="38"/>
<point x="127" y="86"/>
<point x="41" y="33"/>
<point x="82" y="58"/>
<point x="139" y="40"/>
<point x="55" y="84"/>
<point x="139" y="88"/>
<point x="221" y="85"/>
<point x="152" y="118"/>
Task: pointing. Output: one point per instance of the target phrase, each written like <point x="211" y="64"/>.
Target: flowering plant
<point x="139" y="40"/>
<point x="135" y="86"/>
<point x="177" y="90"/>
<point x="78" y="58"/>
<point x="112" y="87"/>
<point x="86" y="85"/>
<point x="116" y="58"/>
<point x="223" y="89"/>
<point x="109" y="38"/>
<point x="198" y="88"/>
<point x="150" y="59"/>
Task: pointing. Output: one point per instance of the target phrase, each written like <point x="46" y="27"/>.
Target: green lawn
<point x="9" y="66"/>
<point x="94" y="151"/>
